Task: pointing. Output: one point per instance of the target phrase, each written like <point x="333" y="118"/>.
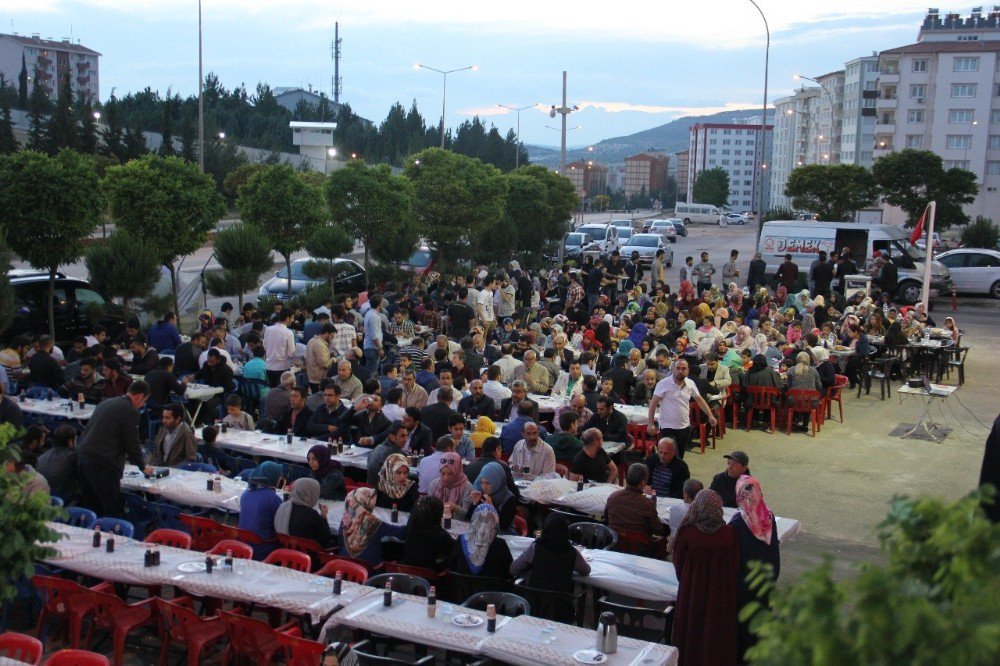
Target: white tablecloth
<point x="201" y="392"/>
<point x="549" y="404"/>
<point x="255" y="443"/>
<point x="187" y="488"/>
<point x="291" y="591"/>
<point x="59" y="408"/>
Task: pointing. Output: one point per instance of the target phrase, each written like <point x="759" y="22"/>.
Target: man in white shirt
<point x="216" y="344"/>
<point x="442" y="342"/>
<point x="533" y="453"/>
<point x="673" y="396"/>
<point x="279" y="347"/>
<point x="484" y="307"/>
<point x="445" y="380"/>
<point x="569" y="383"/>
<point x="507" y="363"/>
<point x="493" y="387"/>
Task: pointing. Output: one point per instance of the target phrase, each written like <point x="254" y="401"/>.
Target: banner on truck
<point x="797" y="244"/>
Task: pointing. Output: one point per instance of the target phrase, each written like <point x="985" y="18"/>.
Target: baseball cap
<point x="739" y="457"/>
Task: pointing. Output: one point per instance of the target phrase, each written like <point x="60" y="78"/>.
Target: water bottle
<point x="447" y="519"/>
<point x="338" y="581"/>
<point x="288" y="437"/>
<point x="491" y="618"/>
<point x="209" y="563"/>
<point x="432" y="603"/>
<point x="148" y="558"/>
<point x="79" y="399"/>
<point x="109" y="544"/>
<point x="395" y="512"/>
<point x="387" y="595"/>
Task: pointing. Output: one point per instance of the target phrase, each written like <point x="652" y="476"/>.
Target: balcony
<point x="886" y="103"/>
<point x="44" y="62"/>
<point x="82" y="80"/>
<point x="888" y="76"/>
<point x="82" y="67"/>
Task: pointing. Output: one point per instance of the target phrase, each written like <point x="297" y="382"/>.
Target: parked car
<point x="605" y="235"/>
<point x="647" y="245"/>
<point x="662" y="227"/>
<point x="349" y="276"/>
<point x="679" y="226"/>
<point x="974" y="270"/>
<point x="420" y="262"/>
<point x="940" y="244"/>
<point x="733" y="218"/>
<point x="77" y="307"/>
<point x="622" y="224"/>
<point x="624" y="235"/>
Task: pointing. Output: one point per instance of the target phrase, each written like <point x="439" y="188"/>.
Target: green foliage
<point x="38" y="106"/>
<point x="284" y="207"/>
<point x="237" y="178"/>
<point x="87" y="125"/>
<point x="457" y="199"/>
<point x="8" y="144"/>
<point x="189" y="140"/>
<point x="166" y="201"/>
<point x="222" y="158"/>
<point x="167" y="128"/>
<point x="981" y="233"/>
<point x="712" y="187"/>
<point x="23" y="521"/>
<point x="6" y="293"/>
<point x="113" y="131"/>
<point x="124" y="266"/>
<point x="600" y="203"/>
<point x="50" y="205"/>
<point x="375" y="207"/>
<point x="913" y="178"/>
<point x="528" y="215"/>
<point x="779" y="213"/>
<point x="61" y="130"/>
<point x="327" y="243"/>
<point x="831" y="191"/>
<point x="244" y="253"/>
<point x="22" y="84"/>
<point x="935" y="601"/>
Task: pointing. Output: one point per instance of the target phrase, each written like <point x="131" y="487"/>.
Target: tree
<point x="6" y="293"/>
<point x="831" y="191"/>
<point x="38" y="107"/>
<point x="557" y="204"/>
<point x="527" y="215"/>
<point x="935" y="600"/>
<point x="88" y="125"/>
<point x="284" y="208"/>
<point x="50" y="205"/>
<point x="457" y="197"/>
<point x="913" y="178"/>
<point x="112" y="134"/>
<point x="189" y="139"/>
<point x="167" y="201"/>
<point x="712" y="187"/>
<point x="8" y="143"/>
<point x="24" y="522"/>
<point x="779" y="213"/>
<point x="135" y="143"/>
<point x="61" y="129"/>
<point x="221" y="159"/>
<point x="981" y="233"/>
<point x="167" y="129"/>
<point x="237" y="178"/>
<point x="375" y="207"/>
<point x="22" y="84"/>
<point x="124" y="266"/>
<point x="327" y="243"/>
<point x="601" y="202"/>
<point x="244" y="253"/>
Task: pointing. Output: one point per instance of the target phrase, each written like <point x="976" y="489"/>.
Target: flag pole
<point x="926" y="291"/>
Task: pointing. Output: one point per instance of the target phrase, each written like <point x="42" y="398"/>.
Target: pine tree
<point x="167" y="132"/>
<point x="189" y="140"/>
<point x="135" y="142"/>
<point x="88" y="125"/>
<point x="38" y="106"/>
<point x="8" y="144"/>
<point x="113" y="131"/>
<point x="61" y="128"/>
<point x="22" y="84"/>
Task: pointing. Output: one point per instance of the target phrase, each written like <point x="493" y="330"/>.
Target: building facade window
<point x="993" y="168"/>
<point x="914" y="140"/>
<point x="995" y="116"/>
<point x="919" y="65"/>
<point x="960" y="116"/>
<point x="959" y="141"/>
<point x="918" y="91"/>
<point x="956" y="164"/>
<point x="995" y="142"/>
<point x="915" y="116"/>
<point x="966" y="64"/>
<point x="963" y="90"/>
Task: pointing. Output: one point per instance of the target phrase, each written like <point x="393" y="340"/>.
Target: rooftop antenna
<point x="336" y="82"/>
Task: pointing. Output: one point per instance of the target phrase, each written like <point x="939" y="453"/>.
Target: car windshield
<point x="644" y="241"/>
<point x="898" y="248"/>
<point x="420" y="258"/>
<point x="574" y="239"/>
<point x="624" y="233"/>
<point x="597" y="233"/>
<point x="660" y="223"/>
<point x="298" y="271"/>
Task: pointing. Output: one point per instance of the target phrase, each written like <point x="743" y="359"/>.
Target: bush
<point x="981" y="233"/>
<point x="779" y="214"/>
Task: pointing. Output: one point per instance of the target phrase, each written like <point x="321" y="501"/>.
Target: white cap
<point x="322" y="310"/>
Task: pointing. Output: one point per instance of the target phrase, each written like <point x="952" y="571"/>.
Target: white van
<point x="605" y="235"/>
<point x="696" y="213"/>
<point x="804" y="240"/>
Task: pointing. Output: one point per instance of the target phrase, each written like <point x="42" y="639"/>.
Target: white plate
<point x="191" y="567"/>
<point x="521" y="483"/>
<point x="590" y="657"/>
<point x="466" y="620"/>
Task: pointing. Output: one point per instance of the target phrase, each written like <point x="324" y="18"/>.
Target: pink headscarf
<point x="755" y="513"/>
<point x="454" y="491"/>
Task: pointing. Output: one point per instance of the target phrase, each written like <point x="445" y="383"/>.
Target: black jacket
<point x="301" y="427"/>
<point x="680" y="474"/>
<point x="725" y="485"/>
<point x="614" y="428"/>
<point x="622" y="380"/>
<point x="161" y="385"/>
<point x="221" y="376"/>
<point x="436" y="418"/>
<point x="144" y="363"/>
<point x="508" y="410"/>
<point x="45" y="371"/>
<point x="186" y="359"/>
<point x="376" y="428"/>
<point x="323" y="417"/>
<point x="474" y="409"/>
<point x="755" y="276"/>
<point x="112" y="434"/>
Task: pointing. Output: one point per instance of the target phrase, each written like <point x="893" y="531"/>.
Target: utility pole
<point x="336" y="63"/>
<point x="563" y="111"/>
<point x="201" y="100"/>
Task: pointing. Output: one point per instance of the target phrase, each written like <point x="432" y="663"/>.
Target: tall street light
<point x="763" y="123"/>
<point x="201" y="100"/>
<point x="518" y="110"/>
<point x="563" y="111"/>
<point x="444" y="87"/>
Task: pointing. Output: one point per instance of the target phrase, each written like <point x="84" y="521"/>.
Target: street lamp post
<point x="444" y="88"/>
<point x="563" y="111"/>
<point x="763" y="122"/>
<point x="518" y="110"/>
<point x="201" y="100"/>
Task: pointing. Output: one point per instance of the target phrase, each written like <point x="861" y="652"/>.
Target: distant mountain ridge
<point x="668" y="138"/>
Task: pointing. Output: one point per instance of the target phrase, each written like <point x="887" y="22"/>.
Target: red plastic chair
<point x="290" y="559"/>
<point x="834" y="395"/>
<point x="121" y="618"/>
<point x="65" y="600"/>
<point x="803" y="401"/>
<point x="307" y="546"/>
<point x="704" y="430"/>
<point x="172" y="538"/>
<point x="77" y="658"/>
<point x="238" y="549"/>
<point x="182" y="625"/>
<point x="246" y="536"/>
<point x="205" y="532"/>
<point x="250" y="638"/>
<point x="520" y="525"/>
<point x="763" y="399"/>
<point x="733" y="402"/>
<point x="300" y="651"/>
<point x="21" y="647"/>
<point x="642" y="441"/>
<point x="351" y="571"/>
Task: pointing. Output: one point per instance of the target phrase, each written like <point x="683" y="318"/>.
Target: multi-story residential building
<point x="795" y="138"/>
<point x="739" y="150"/>
<point x="646" y="171"/>
<point x="48" y="61"/>
<point x="588" y="177"/>
<point x="829" y="118"/>
<point x="682" y="173"/>
<point x="857" y="137"/>
<point x="943" y="94"/>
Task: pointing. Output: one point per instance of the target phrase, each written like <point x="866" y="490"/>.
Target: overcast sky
<point x="632" y="64"/>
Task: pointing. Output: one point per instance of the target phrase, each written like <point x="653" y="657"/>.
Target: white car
<point x="973" y="270"/>
<point x="647" y="245"/>
<point x="663" y="227"/>
<point x="733" y="218"/>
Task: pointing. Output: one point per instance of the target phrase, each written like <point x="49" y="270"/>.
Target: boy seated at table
<point x="235" y="416"/>
<point x="210" y="452"/>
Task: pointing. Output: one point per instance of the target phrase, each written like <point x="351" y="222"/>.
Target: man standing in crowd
<point x="704" y="272"/>
<point x="279" y="347"/>
<point x="673" y="396"/>
<point x="373" y="351"/>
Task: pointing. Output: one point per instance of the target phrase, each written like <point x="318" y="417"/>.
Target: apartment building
<point x="646" y="171"/>
<point x="48" y="60"/>
<point x="682" y="173"/>
<point x="857" y="138"/>
<point x="588" y="177"/>
<point x="739" y="150"/>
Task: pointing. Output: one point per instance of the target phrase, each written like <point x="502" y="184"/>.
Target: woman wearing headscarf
<point x="395" y="485"/>
<point x="743" y="339"/>
<point x="427" y="544"/>
<point x="758" y="541"/>
<point x="639" y="333"/>
<point x="298" y="516"/>
<point x="804" y="376"/>
<point x="553" y="560"/>
<point x="952" y="328"/>
<point x="660" y="332"/>
<point x="707" y="562"/>
<point x="327" y="472"/>
<point x="603" y="333"/>
<point x="452" y="487"/>
<point x="824" y="368"/>
<point x="491" y="488"/>
<point x="781" y="295"/>
<point x="259" y="502"/>
<point x="480" y="552"/>
<point x="361" y="531"/>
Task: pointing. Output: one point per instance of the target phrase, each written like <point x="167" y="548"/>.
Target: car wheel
<point x="909" y="292"/>
<point x="995" y="289"/>
<point x="670" y="262"/>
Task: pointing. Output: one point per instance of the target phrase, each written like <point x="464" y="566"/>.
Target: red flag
<point x="918" y="230"/>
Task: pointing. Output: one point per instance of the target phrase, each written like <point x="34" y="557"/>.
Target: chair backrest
<point x="572" y="517"/>
<point x="21" y="647"/>
<point x="138" y="513"/>
<point x="351" y="571"/>
<point x="198" y="467"/>
<point x="641" y="439"/>
<point x="401" y="582"/>
<point x="205" y="532"/>
<point x="56" y="593"/>
<point x="368" y="656"/>
<point x="762" y="397"/>
<point x="249" y="636"/>
<point x="116" y="525"/>
<point x="637" y="543"/>
<point x="801" y="399"/>
<point x="507" y="603"/>
<point x="303" y="545"/>
<point x="562" y="470"/>
<point x="238" y="548"/>
<point x="178" y="620"/>
<point x="593" y="535"/>
<point x="290" y="559"/>
<point x="168" y="537"/>
<point x="557" y="606"/>
<point x="246" y="536"/>
<point x="296" y="472"/>
<point x="77" y="658"/>
<point x="421" y="572"/>
<point x="79" y="517"/>
<point x="520" y="525"/>
<point x="300" y="651"/>
<point x="57" y="501"/>
<point x="632" y="620"/>
<point x="168" y="516"/>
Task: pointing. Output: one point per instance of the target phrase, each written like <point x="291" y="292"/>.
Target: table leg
<point x="922" y="428"/>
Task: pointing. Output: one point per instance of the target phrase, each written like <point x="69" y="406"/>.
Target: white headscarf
<point x="306" y="493"/>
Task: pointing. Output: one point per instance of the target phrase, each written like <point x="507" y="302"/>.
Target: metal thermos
<point x="607" y="633"/>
